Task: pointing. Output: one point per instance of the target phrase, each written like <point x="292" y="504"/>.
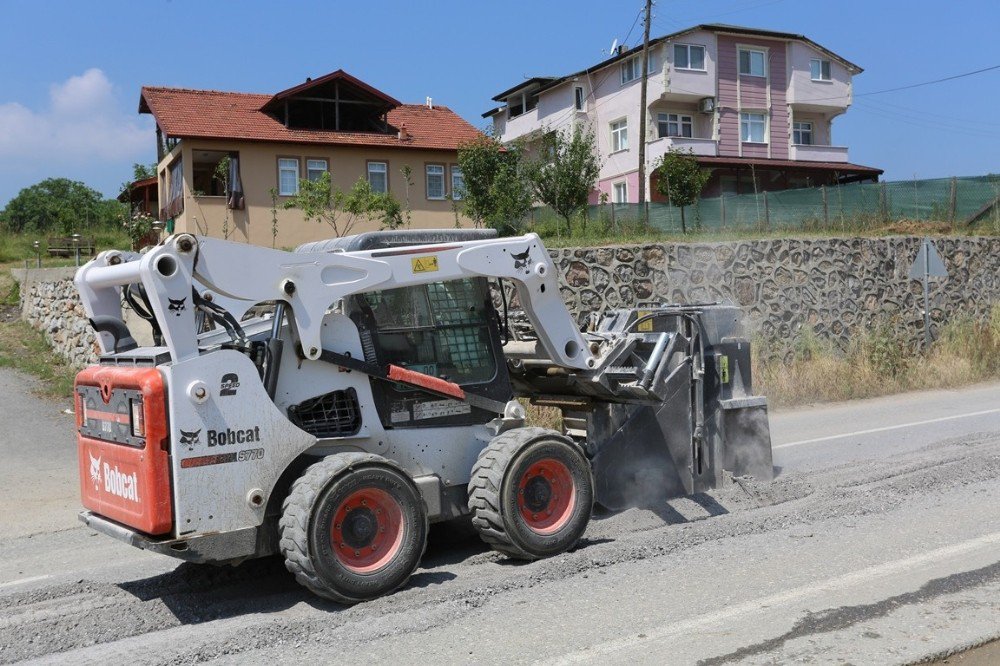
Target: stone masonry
<point x="838" y="287"/>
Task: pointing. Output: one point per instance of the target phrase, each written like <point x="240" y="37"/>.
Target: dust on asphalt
<point x="258" y="605"/>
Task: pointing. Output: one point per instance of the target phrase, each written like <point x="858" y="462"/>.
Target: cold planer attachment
<point x="670" y="411"/>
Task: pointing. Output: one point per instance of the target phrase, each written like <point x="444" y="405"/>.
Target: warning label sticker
<point x="438" y="408"/>
<point x="644" y="326"/>
<point x="428" y="264"/>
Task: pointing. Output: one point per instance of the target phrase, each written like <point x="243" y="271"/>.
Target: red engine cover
<point x="126" y="482"/>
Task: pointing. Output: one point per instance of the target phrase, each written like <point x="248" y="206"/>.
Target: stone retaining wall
<point x="50" y="303"/>
<point x="837" y="287"/>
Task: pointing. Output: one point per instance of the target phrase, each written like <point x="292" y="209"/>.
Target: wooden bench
<point x="63" y="246"/>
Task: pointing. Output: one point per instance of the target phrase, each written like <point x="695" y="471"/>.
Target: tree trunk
<point x="569" y="227"/>
<point x="683" y="222"/>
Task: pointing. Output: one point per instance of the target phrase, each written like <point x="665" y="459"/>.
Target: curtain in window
<point x="175" y="193"/>
<point x="234" y="197"/>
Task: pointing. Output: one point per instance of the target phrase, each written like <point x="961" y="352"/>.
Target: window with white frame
<point x="802" y="133"/>
<point x="378" y="177"/>
<point x="819" y="70"/>
<point x="619" y="135"/>
<point x="457" y="183"/>
<point x="620" y="194"/>
<point x="689" y="56"/>
<point x="579" y="99"/>
<point x="288" y="176"/>
<point x="674" y="124"/>
<point x="753" y="127"/>
<point x="752" y="62"/>
<point x="631" y="69"/>
<point x="435" y="181"/>
<point x="315" y="169"/>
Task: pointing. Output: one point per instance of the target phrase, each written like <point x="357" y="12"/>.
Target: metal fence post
<point x="722" y="206"/>
<point x="767" y="212"/>
<point x="884" y="203"/>
<point x="826" y="208"/>
<point x="953" y="201"/>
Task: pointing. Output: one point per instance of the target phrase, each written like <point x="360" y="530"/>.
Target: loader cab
<point x="449" y="330"/>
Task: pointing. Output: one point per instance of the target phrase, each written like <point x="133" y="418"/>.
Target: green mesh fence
<point x="853" y="206"/>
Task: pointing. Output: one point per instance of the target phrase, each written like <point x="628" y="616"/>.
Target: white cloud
<point x="83" y="123"/>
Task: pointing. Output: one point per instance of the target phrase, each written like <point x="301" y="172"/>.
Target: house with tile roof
<point x="756" y="108"/>
<point x="336" y="124"/>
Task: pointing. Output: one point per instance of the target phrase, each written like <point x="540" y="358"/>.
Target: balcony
<point x="703" y="147"/>
<point x="817" y="153"/>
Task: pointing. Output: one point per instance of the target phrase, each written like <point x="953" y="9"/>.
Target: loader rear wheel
<point x="353" y="527"/>
<point x="531" y="493"/>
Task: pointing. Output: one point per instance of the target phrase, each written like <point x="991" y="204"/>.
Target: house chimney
<point x="430" y="103"/>
<point x="403" y="134"/>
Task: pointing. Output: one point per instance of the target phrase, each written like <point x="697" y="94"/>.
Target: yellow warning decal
<point x="644" y="326"/>
<point x="724" y="369"/>
<point x="428" y="264"/>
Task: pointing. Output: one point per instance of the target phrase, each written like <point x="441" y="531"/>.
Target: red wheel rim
<point x="546" y="496"/>
<point x="367" y="530"/>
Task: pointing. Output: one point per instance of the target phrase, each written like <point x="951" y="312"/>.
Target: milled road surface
<point x="879" y="542"/>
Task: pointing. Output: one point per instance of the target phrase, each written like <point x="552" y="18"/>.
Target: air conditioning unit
<point x="706" y="105"/>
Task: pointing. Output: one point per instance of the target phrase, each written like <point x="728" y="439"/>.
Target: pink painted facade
<point x="694" y="103"/>
<point x="744" y="93"/>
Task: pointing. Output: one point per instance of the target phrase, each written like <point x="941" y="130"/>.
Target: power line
<point x="927" y="83"/>
<point x="912" y="85"/>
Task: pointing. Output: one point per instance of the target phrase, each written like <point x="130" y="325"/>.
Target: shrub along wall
<point x="837" y="287"/>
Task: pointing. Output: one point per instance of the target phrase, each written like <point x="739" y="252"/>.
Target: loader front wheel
<point x="353" y="527"/>
<point x="531" y="493"/>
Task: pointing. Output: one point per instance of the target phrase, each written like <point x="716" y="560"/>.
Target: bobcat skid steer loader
<point x="376" y="395"/>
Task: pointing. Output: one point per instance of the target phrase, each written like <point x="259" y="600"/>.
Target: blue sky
<point x="70" y="71"/>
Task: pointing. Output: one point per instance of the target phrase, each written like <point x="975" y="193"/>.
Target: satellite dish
<point x="614" y="45"/>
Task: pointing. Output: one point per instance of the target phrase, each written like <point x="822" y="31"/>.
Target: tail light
<point x="138" y="418"/>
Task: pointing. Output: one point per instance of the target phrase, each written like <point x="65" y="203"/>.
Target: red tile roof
<point x="211" y="114"/>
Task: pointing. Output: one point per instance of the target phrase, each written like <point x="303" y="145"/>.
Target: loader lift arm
<point x="239" y="276"/>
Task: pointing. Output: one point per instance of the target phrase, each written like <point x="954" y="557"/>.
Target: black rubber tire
<point x="493" y="492"/>
<point x="307" y="512"/>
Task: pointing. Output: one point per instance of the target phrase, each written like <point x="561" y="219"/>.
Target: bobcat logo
<point x="95" y="471"/>
<point x="176" y="305"/>
<point x="521" y="260"/>
<point x="190" y="437"/>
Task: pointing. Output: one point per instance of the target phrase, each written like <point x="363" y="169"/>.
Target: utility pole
<point x="642" y="115"/>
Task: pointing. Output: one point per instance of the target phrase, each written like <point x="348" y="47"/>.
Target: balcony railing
<point x="818" y="153"/>
<point x="704" y="147"/>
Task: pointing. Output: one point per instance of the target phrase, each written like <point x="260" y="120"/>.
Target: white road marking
<point x="885" y="428"/>
<point x="25" y="580"/>
<point x="703" y="622"/>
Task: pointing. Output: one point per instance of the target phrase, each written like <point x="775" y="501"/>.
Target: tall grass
<point x="879" y="363"/>
<point x="16" y="247"/>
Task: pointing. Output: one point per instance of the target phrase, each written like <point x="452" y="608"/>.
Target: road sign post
<point x="928" y="264"/>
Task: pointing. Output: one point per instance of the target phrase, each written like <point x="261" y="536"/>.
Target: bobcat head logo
<point x="190" y="437"/>
<point x="521" y="260"/>
<point x="95" y="470"/>
<point x="176" y="305"/>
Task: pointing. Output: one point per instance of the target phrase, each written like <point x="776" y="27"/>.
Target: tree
<point x="680" y="179"/>
<point x="322" y="201"/>
<point x="60" y="205"/>
<point x="143" y="171"/>
<point x="496" y="192"/>
<point x="564" y="172"/>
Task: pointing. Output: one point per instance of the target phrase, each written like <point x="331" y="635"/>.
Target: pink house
<point x="757" y="107"/>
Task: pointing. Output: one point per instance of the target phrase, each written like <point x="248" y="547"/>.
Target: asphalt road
<point x="879" y="542"/>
